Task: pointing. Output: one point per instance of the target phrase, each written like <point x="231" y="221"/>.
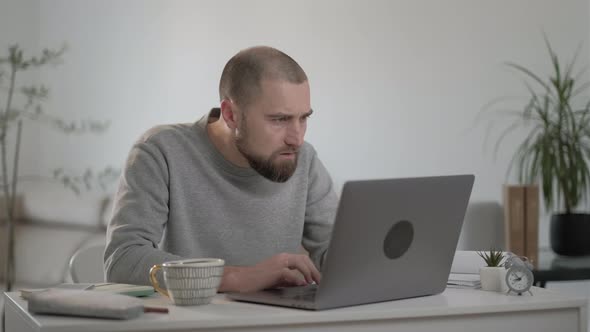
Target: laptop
<point x="392" y="239"/>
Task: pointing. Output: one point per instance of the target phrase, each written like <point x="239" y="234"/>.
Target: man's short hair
<point x="241" y="77"/>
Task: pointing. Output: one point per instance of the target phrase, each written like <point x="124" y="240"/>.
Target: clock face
<point x="519" y="279"/>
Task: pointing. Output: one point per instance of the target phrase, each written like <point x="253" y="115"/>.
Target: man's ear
<point x="229" y="113"/>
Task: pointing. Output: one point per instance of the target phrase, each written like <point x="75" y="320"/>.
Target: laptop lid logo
<point x="398" y="239"/>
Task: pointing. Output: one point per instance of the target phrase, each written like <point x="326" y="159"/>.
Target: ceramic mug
<point x="189" y="281"/>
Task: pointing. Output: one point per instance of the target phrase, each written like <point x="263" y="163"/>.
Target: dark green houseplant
<point x="556" y="150"/>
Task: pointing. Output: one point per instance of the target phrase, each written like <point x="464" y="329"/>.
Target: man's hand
<point x="282" y="270"/>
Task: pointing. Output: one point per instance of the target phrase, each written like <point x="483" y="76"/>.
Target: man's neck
<point x="222" y="138"/>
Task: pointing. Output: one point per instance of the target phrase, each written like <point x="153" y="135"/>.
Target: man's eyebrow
<point x="308" y="114"/>
<point x="281" y="114"/>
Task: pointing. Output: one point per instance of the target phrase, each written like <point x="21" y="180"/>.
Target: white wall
<point x="396" y="85"/>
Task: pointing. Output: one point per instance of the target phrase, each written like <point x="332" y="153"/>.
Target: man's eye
<point x="280" y="119"/>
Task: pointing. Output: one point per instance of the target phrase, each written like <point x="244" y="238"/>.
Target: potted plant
<point x="19" y="104"/>
<point x="555" y="152"/>
<point x="493" y="274"/>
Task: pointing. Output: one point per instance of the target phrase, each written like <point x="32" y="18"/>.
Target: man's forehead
<point x="267" y="85"/>
<point x="283" y="96"/>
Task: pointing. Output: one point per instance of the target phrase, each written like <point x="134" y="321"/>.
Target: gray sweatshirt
<point x="178" y="197"/>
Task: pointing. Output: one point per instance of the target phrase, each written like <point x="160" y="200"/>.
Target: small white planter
<point x="493" y="278"/>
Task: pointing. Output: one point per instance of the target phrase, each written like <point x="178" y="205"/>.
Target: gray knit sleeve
<point x="140" y="214"/>
<point x="320" y="212"/>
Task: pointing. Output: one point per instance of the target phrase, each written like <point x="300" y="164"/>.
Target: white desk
<point x="453" y="310"/>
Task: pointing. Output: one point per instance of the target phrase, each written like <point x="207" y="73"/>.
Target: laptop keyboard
<point x="303" y="293"/>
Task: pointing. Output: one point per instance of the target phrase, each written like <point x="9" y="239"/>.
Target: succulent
<point x="493" y="257"/>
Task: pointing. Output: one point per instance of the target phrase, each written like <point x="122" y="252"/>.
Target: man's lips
<point x="289" y="154"/>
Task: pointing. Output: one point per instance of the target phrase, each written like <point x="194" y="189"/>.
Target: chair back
<point x="87" y="264"/>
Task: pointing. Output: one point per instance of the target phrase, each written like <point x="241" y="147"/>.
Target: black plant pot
<point x="570" y="234"/>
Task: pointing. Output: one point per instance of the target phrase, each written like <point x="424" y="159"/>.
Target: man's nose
<point x="295" y="134"/>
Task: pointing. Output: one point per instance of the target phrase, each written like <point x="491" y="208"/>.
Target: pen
<point x="159" y="310"/>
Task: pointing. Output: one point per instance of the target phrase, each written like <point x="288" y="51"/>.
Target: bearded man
<point x="240" y="184"/>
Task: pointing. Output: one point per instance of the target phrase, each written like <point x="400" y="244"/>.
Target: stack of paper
<point x="463" y="280"/>
<point x="465" y="270"/>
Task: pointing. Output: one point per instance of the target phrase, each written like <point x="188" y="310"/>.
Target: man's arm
<point x="320" y="212"/>
<point x="139" y="217"/>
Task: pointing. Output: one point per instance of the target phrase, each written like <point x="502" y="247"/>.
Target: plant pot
<point x="493" y="278"/>
<point x="569" y="234"/>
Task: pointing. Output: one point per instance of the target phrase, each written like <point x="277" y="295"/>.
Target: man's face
<point x="272" y="127"/>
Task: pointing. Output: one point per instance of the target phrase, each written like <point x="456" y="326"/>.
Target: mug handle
<point x="154" y="280"/>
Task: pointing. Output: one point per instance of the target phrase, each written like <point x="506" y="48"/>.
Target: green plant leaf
<point x="529" y="73"/>
<point x="557" y="148"/>
<point x="493" y="257"/>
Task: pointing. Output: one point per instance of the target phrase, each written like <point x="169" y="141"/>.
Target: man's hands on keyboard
<point x="282" y="270"/>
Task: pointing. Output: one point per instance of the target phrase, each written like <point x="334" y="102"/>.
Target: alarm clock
<point x="519" y="277"/>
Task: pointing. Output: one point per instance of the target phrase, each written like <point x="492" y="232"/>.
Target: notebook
<point x="124" y="289"/>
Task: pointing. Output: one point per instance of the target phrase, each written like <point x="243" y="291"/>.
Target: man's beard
<point x="269" y="167"/>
